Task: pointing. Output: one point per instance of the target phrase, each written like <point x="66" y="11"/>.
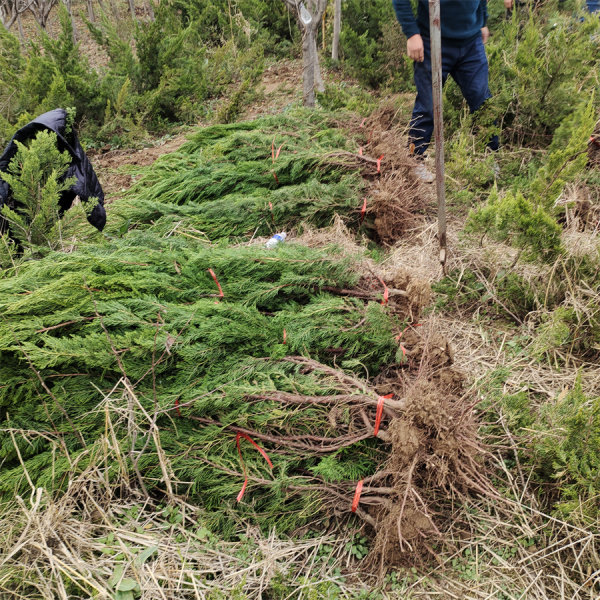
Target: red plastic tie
<point x="411" y="325"/>
<point x="386" y="292"/>
<point x="284" y="337"/>
<point x="362" y="123"/>
<point x="379" y="163"/>
<point x="177" y="407"/>
<point x="357" y="493"/>
<point x="380" y="402"/>
<point x="275" y="155"/>
<point x="275" y="175"/>
<point x="363" y="210"/>
<point x="262" y="452"/>
<point x="221" y="294"/>
<point x="360" y="151"/>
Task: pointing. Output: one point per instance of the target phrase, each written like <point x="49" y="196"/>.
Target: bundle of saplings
<point x="213" y="366"/>
<point x="269" y="174"/>
<point x="288" y="385"/>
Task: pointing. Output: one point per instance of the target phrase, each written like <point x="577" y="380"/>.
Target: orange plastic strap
<point x="380" y="402"/>
<point x="177" y="407"/>
<point x="275" y="156"/>
<point x="262" y="452"/>
<point x="386" y="292"/>
<point x="363" y="210"/>
<point x="212" y="273"/>
<point x="411" y="325"/>
<point x="284" y="336"/>
<point x="360" y="151"/>
<point x="379" y="163"/>
<point x="357" y="493"/>
<point x="275" y="175"/>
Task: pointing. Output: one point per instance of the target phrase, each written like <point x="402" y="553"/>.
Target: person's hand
<point x="508" y="4"/>
<point x="415" y="48"/>
<point x="485" y="34"/>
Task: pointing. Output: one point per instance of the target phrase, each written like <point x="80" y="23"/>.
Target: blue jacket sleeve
<point x="406" y="17"/>
<point x="482" y="11"/>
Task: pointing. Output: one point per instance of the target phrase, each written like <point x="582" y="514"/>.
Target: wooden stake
<point x="435" y="33"/>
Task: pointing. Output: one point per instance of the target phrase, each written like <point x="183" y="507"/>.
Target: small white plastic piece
<point x="305" y="15"/>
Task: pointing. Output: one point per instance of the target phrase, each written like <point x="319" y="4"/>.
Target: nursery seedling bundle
<point x="275" y="383"/>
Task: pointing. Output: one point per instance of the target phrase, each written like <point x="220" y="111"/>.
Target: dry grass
<point x="98" y="534"/>
<point x="104" y="531"/>
<point x="84" y="542"/>
<point x="514" y="551"/>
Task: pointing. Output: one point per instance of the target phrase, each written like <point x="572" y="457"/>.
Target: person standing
<point x="464" y="33"/>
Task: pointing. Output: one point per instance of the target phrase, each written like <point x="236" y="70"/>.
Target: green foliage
<point x="470" y="169"/>
<point x="237" y="165"/>
<point x="543" y="65"/>
<point x="515" y="219"/>
<point x="530" y="222"/>
<point x="557" y="443"/>
<point x="157" y="299"/>
<point x="567" y="156"/>
<point x="372" y="45"/>
<point x="11" y="64"/>
<point x="347" y="98"/>
<point x="231" y="108"/>
<point x="566" y="451"/>
<point x="62" y="56"/>
<point x="120" y="125"/>
<point x="554" y="333"/>
<point x="143" y="309"/>
<point x="34" y="175"/>
<point x="503" y="293"/>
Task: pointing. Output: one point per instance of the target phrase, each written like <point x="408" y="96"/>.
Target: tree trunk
<point x="309" y="51"/>
<point x="150" y="9"/>
<point x="319" y="85"/>
<point x="21" y="32"/>
<point x="132" y="9"/>
<point x="313" y="14"/>
<point x="337" y="24"/>
<point x="67" y="4"/>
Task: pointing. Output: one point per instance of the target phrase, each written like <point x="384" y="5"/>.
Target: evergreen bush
<point x="372" y="45"/>
<point x="542" y="67"/>
<point x="530" y="221"/>
<point x="555" y="442"/>
<point x="34" y="176"/>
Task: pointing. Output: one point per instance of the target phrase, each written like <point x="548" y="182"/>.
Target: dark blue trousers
<point x="468" y="66"/>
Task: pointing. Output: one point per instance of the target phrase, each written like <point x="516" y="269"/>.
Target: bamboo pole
<point x="435" y="33"/>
